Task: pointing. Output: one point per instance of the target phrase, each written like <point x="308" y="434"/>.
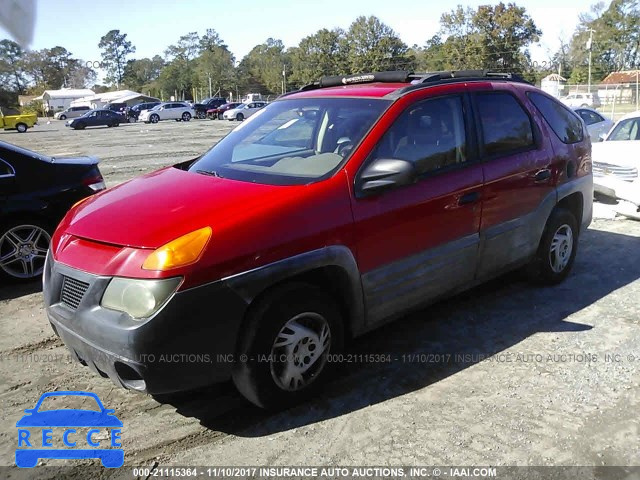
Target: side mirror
<point x="384" y="174"/>
<point x="602" y="136"/>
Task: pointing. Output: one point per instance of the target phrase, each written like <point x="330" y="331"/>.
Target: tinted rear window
<point x="565" y="124"/>
<point x="506" y="127"/>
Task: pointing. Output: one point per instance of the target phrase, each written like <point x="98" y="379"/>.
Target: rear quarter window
<point x="564" y="123"/>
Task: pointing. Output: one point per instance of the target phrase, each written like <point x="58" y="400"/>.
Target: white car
<point x="167" y="111"/>
<point x="582" y="100"/>
<point x="597" y="124"/>
<point x="616" y="161"/>
<point x="243" y="111"/>
<point x="71" y="112"/>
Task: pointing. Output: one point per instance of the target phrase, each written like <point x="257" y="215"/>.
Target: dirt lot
<point x="506" y="374"/>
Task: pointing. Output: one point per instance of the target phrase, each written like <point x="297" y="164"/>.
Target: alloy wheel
<point x="23" y="250"/>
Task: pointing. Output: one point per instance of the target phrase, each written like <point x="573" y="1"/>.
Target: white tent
<point x="99" y="100"/>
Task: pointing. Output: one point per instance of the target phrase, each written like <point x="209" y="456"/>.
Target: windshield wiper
<point x="209" y="173"/>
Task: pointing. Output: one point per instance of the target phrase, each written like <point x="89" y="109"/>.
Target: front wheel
<point x="21" y="127"/>
<point x="240" y="117"/>
<point x="286" y="341"/>
<point x="557" y="250"/>
<point x="220" y="116"/>
<point x="23" y="250"/>
<point x="63" y="117"/>
<point x="154" y="118"/>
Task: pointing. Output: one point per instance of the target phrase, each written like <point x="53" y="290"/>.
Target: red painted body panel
<point x="362" y="90"/>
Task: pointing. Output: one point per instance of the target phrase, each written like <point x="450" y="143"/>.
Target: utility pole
<point x="284" y="79"/>
<point x="209" y="85"/>
<point x="589" y="45"/>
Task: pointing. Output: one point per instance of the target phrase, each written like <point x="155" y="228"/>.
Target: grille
<point x="623" y="173"/>
<point x="72" y="291"/>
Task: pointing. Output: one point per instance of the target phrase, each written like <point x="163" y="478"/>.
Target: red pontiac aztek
<point x="329" y="212"/>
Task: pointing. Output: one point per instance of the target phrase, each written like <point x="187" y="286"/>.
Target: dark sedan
<point x="217" y="112"/>
<point x="96" y="118"/>
<point x="35" y="193"/>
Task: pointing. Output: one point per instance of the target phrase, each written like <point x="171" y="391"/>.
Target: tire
<point x="62" y="117"/>
<point x="557" y="250"/>
<point x="154" y="118"/>
<point x="289" y="310"/>
<point x="240" y="117"/>
<point x="21" y="127"/>
<point x="584" y="105"/>
<point x="80" y="126"/>
<point x="221" y="116"/>
<point x="186" y="116"/>
<point x="23" y="249"/>
<point x="116" y="124"/>
<point x="201" y="115"/>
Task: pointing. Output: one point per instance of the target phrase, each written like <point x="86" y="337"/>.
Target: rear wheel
<point x="21" y="127"/>
<point x="282" y="357"/>
<point x="23" y="249"/>
<point x="220" y="116"/>
<point x="557" y="250"/>
<point x="201" y="115"/>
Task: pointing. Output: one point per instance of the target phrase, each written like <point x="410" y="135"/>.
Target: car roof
<point x="635" y="114"/>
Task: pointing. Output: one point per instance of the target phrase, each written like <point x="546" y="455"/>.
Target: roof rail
<point x="403" y="76"/>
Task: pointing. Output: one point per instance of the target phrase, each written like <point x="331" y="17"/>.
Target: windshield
<point x="157" y="107"/>
<point x="626" y="130"/>
<point x="292" y="142"/>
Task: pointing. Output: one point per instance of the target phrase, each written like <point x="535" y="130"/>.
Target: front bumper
<point x="189" y="343"/>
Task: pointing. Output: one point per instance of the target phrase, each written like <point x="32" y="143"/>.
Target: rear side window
<point x="590" y="117"/>
<point x="562" y="121"/>
<point x="506" y="127"/>
<point x="5" y="169"/>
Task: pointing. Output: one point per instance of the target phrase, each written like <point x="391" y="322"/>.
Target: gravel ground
<point x="505" y="374"/>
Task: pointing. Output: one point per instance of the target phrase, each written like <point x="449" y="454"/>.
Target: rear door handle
<point x="543" y="175"/>
<point x="471" y="197"/>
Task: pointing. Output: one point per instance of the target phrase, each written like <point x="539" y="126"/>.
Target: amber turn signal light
<point x="182" y="251"/>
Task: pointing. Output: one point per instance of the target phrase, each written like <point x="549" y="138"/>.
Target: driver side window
<point x="430" y="134"/>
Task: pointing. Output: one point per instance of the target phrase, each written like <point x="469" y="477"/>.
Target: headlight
<point x="138" y="298"/>
<point x="182" y="251"/>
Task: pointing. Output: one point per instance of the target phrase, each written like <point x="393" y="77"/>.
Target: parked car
<point x="327" y="214"/>
<point x="167" y="111"/>
<point x="243" y="111"/>
<point x="71" y="112"/>
<point x="208" y="103"/>
<point x="214" y="113"/>
<point x="20" y="122"/>
<point x="95" y="118"/>
<point x="37" y="190"/>
<point x="134" y="112"/>
<point x="616" y="160"/>
<point x="597" y="124"/>
<point x="582" y="100"/>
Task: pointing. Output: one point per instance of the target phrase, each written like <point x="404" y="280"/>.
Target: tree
<point x="140" y="74"/>
<point x="616" y="40"/>
<point x="11" y="66"/>
<point x="115" y="49"/>
<point x="317" y="55"/>
<point x="261" y="69"/>
<point x="56" y="68"/>
<point x="373" y="46"/>
<point x="493" y="37"/>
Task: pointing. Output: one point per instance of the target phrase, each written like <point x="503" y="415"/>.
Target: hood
<point x="154" y="209"/>
<point x="625" y="153"/>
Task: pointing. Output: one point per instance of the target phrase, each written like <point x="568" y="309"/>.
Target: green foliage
<point x="115" y="49"/>
<point x="493" y="37"/>
<point x="373" y="46"/>
<point x="140" y="75"/>
<point x="320" y="54"/>
<point x="11" y="66"/>
<point x="263" y="66"/>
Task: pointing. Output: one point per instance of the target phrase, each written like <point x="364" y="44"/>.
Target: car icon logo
<point x="40" y="428"/>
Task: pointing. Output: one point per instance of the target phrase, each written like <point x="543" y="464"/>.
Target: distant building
<point x="620" y="86"/>
<point x="553" y="84"/>
<point x="57" y="100"/>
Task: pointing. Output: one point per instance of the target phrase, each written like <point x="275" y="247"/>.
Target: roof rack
<point x="403" y="76"/>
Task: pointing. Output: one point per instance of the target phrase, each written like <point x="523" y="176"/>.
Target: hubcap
<point x="561" y="248"/>
<point x="298" y="354"/>
<point x="23" y="250"/>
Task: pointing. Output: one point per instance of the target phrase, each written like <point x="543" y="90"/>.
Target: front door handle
<point x="542" y="175"/>
<point x="471" y="197"/>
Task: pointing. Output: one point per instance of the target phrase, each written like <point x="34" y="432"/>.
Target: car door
<point x="8" y="183"/>
<point x="420" y="241"/>
<point x="519" y="174"/>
